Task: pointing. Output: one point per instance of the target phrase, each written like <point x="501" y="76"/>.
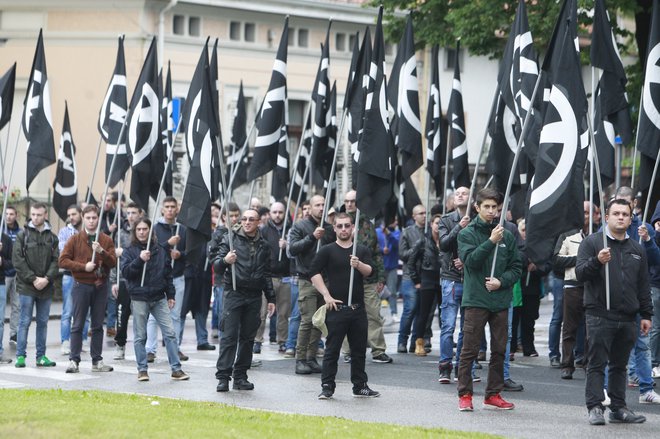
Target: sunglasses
<point x="250" y="219"/>
<point x="343" y="226"/>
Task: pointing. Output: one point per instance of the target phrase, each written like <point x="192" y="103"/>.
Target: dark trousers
<point x="88" y="297"/>
<point x="609" y="343"/>
<point x="573" y="317"/>
<point x="515" y="329"/>
<point x="473" y="332"/>
<point x="427" y="298"/>
<point x="528" y="317"/>
<point x="123" y="313"/>
<point x="352" y="324"/>
<point x="240" y="321"/>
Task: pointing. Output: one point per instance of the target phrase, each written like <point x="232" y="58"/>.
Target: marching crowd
<point x="321" y="281"/>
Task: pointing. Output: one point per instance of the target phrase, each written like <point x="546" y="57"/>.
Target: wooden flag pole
<point x="96" y="161"/>
<point x="514" y="166"/>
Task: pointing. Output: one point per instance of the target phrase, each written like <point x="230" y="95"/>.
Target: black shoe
<point x="445" y="376"/>
<point x="205" y="347"/>
<point x="427" y="346"/>
<point x="326" y="393"/>
<point x="151" y="357"/>
<point x="581" y="362"/>
<point x="381" y="358"/>
<point x="554" y="362"/>
<point x="365" y="392"/>
<point x="12" y="340"/>
<point x="477" y="365"/>
<point x="625" y="416"/>
<point x="596" y="416"/>
<point x="256" y="349"/>
<point x="411" y="349"/>
<point x="566" y="374"/>
<point x="481" y="356"/>
<point x="242" y="384"/>
<point x="401" y="349"/>
<point x="314" y="366"/>
<point x="512" y="386"/>
<point x="223" y="385"/>
<point x="302" y="368"/>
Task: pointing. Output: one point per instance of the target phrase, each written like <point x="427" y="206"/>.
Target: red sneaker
<point x="465" y="403"/>
<point x="497" y="402"/>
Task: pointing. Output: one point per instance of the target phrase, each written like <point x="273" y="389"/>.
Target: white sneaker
<point x="607" y="401"/>
<point x="655" y="372"/>
<point x="120" y="353"/>
<point x="396" y="318"/>
<point x="66" y="347"/>
<point x="649" y="397"/>
<point x="73" y="367"/>
<point x="100" y="367"/>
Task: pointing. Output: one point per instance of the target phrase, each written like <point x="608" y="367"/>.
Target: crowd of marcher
<point x="314" y="286"/>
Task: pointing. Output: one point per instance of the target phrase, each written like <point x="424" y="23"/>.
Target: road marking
<point x="53" y="374"/>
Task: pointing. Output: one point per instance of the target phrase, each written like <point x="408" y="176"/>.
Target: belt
<point x="353" y="306"/>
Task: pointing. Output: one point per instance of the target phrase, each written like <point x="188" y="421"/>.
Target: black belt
<point x="353" y="306"/>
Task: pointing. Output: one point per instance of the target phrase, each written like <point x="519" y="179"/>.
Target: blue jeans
<point x="175" y="314"/>
<point x="508" y="345"/>
<point x="201" y="333"/>
<point x="655" y="329"/>
<point x="294" y="321"/>
<point x="110" y="310"/>
<point x="216" y="311"/>
<point x="452" y="295"/>
<point x="639" y="363"/>
<point x="43" y="311"/>
<point x="409" y="315"/>
<point x="3" y="302"/>
<point x="161" y="313"/>
<point x="557" y="318"/>
<point x="67" y="311"/>
<point x="391" y="280"/>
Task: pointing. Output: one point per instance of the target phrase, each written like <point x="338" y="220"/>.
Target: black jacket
<point x="448" y="231"/>
<point x="158" y="279"/>
<point x="214" y="249"/>
<point x="409" y="237"/>
<point x="165" y="231"/>
<point x="302" y="243"/>
<point x="629" y="279"/>
<point x="252" y="265"/>
<point x="279" y="267"/>
<point x="424" y="264"/>
<point x="7" y="265"/>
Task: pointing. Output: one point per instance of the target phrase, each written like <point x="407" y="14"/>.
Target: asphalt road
<point x="411" y="395"/>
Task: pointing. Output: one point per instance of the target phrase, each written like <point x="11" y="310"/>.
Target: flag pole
<point x="591" y="152"/>
<point x="234" y="169"/>
<point x="3" y="158"/>
<point x="514" y="165"/>
<point x="170" y="153"/>
<point x="634" y="162"/>
<point x="328" y="191"/>
<point x="473" y="184"/>
<point x="293" y="173"/>
<point x="446" y="183"/>
<point x="96" y="161"/>
<point x="117" y="216"/>
<point x="227" y="196"/>
<point x="11" y="175"/>
<point x="352" y="276"/>
<point x="251" y="191"/>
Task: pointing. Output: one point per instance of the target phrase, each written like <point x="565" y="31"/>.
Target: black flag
<point x="321" y="150"/>
<point x="37" y="119"/>
<point x="237" y="162"/>
<point x="612" y="114"/>
<point x="111" y="119"/>
<point x="648" y="137"/>
<point x="376" y="146"/>
<point x="7" y="82"/>
<point x="354" y="99"/>
<point x="299" y="181"/>
<point x="167" y="129"/>
<point x="435" y="143"/>
<point x="143" y="131"/>
<point x="271" y="125"/>
<point x="66" y="180"/>
<point x="557" y="189"/>
<point x="201" y="134"/>
<point x="403" y="92"/>
<point x="280" y="182"/>
<point x="331" y="129"/>
<point x="458" y="143"/>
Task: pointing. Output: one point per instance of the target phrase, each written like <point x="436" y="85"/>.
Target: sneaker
<point x="256" y="349"/>
<point x="497" y="402"/>
<point x="347" y="358"/>
<point x="111" y="333"/>
<point x="282" y="348"/>
<point x="73" y="367"/>
<point x="649" y="397"/>
<point x="143" y="375"/>
<point x="365" y="392"/>
<point x="465" y="403"/>
<point x="566" y="374"/>
<point x="512" y="386"/>
<point x="214" y="333"/>
<point x="633" y="381"/>
<point x="655" y="372"/>
<point x="205" y="347"/>
<point x="381" y="358"/>
<point x="401" y="349"/>
<point x="179" y="375"/>
<point x="182" y="356"/>
<point x="477" y="365"/>
<point x="302" y="368"/>
<point x="120" y="353"/>
<point x="445" y="377"/>
<point x="5" y="360"/>
<point x="100" y="367"/>
<point x="596" y="416"/>
<point x="314" y="366"/>
<point x="481" y="356"/>
<point x="43" y="361"/>
<point x="151" y="357"/>
<point x="475" y="378"/>
<point x="12" y="340"/>
<point x="66" y="347"/>
<point x="326" y="393"/>
<point x="320" y="352"/>
<point x="290" y="353"/>
<point x="256" y="363"/>
<point x="625" y="416"/>
<point x="20" y="361"/>
<point x="607" y="401"/>
<point x="396" y="318"/>
<point x="554" y="362"/>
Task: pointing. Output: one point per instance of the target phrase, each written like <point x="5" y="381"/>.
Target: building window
<point x="239" y="31"/>
<point x="235" y="31"/>
<point x="250" y="32"/>
<point x="178" y="25"/>
<point x="450" y="58"/>
<point x="303" y="38"/>
<point x="194" y="26"/>
<point x="351" y="41"/>
<point x="340" y="42"/>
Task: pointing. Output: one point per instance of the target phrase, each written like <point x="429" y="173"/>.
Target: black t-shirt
<point x="333" y="261"/>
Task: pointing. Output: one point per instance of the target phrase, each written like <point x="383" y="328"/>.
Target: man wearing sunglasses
<point x="248" y="256"/>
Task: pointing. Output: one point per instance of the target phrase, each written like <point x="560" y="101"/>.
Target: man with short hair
<point x="35" y="258"/>
<point x="611" y="324"/>
<point x="11" y="229"/>
<point x="344" y="318"/>
<point x="74" y="222"/>
<point x="89" y="259"/>
<point x="486" y="298"/>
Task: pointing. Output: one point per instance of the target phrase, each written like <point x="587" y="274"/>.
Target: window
<point x="303" y="38"/>
<point x="194" y="26"/>
<point x="239" y="31"/>
<point x="178" y="25"/>
<point x="340" y="42"/>
<point x="450" y="58"/>
<point x="235" y="31"/>
<point x="250" y="32"/>
<point x="351" y="41"/>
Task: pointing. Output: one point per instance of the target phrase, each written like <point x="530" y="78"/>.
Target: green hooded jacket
<point x="476" y="251"/>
